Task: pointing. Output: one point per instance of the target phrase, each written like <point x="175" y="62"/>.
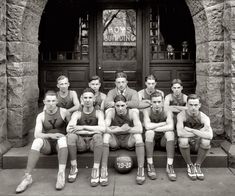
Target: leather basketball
<point x="123" y="163"/>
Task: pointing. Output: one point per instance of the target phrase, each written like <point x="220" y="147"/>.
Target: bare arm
<point x="109" y="101"/>
<point x="103" y="97"/>
<point x="72" y="126"/>
<point x="76" y="102"/>
<point x="136" y="121"/>
<point x="142" y="102"/>
<point x="147" y="122"/>
<point x="168" y="106"/>
<point x="169" y="124"/>
<point x="181" y="131"/>
<point x="134" y="102"/>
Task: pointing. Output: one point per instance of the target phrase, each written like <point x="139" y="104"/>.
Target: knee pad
<point x="72" y="138"/>
<point x="37" y="144"/>
<point x="205" y="144"/>
<point x="62" y="142"/>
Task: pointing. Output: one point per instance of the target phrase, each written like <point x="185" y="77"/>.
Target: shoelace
<point x="198" y="168"/>
<point x="150" y="167"/>
<point x="170" y="167"/>
<point x="94" y="173"/>
<point x="191" y="168"/>
<point x="103" y="173"/>
<point x="141" y="171"/>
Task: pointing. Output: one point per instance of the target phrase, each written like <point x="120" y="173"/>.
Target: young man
<point x="194" y="132"/>
<point x="85" y="133"/>
<point x="122" y="88"/>
<point x="95" y="83"/>
<point x="176" y="101"/>
<point x="49" y="138"/>
<point x="123" y="130"/>
<point x="67" y="98"/>
<point x="159" y="124"/>
<point x="144" y="94"/>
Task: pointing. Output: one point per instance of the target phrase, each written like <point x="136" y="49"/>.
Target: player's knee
<point x="98" y="139"/>
<point x="62" y="142"/>
<point x="149" y="135"/>
<point x="183" y="142"/>
<point x="205" y="144"/>
<point x="138" y="138"/>
<point x="106" y="138"/>
<point x="169" y="135"/>
<point x="71" y="139"/>
<point x="37" y="144"/>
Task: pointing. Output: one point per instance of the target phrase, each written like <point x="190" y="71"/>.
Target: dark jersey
<point x="65" y="102"/>
<point x="178" y="101"/>
<point x="98" y="101"/>
<point x="157" y="117"/>
<point x="193" y="122"/>
<point x="54" y="123"/>
<point x="120" y="120"/>
<point x="147" y="96"/>
<point x="88" y="119"/>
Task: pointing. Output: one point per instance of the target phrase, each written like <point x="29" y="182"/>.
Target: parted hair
<point x="119" y="98"/>
<point x="120" y="74"/>
<point x="193" y="96"/>
<point x="50" y="93"/>
<point x="94" y="78"/>
<point x="150" y="77"/>
<point x="156" y="94"/>
<point x="176" y="81"/>
<point x="61" y="78"/>
<point x="88" y="90"/>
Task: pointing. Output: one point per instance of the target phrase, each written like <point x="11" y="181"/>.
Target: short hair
<point x="62" y="77"/>
<point x="88" y="90"/>
<point x="120" y="75"/>
<point x="176" y="81"/>
<point x="94" y="78"/>
<point x="193" y="96"/>
<point x="150" y="77"/>
<point x="50" y="93"/>
<point x="119" y="98"/>
<point x="156" y="94"/>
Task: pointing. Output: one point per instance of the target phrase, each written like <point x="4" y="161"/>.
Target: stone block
<point x="21" y="3"/>
<point x="210" y="3"/>
<point x="201" y="89"/>
<point x="22" y="91"/>
<point x="202" y="52"/>
<point x="19" y="69"/>
<point x="2" y="52"/>
<point x="210" y="69"/>
<point x="36" y="6"/>
<point x="215" y="18"/>
<point x="3" y="92"/>
<point x="230" y="93"/>
<point x="195" y="6"/>
<point x="217" y="120"/>
<point x="2" y="21"/>
<point x="22" y="52"/>
<point x="216" y="51"/>
<point x="3" y="121"/>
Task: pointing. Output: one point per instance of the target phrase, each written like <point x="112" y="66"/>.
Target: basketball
<point x="123" y="163"/>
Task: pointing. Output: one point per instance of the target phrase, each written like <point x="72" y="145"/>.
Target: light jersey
<point x="65" y="102"/>
<point x="193" y="122"/>
<point x="156" y="117"/>
<point x="120" y="120"/>
<point x="177" y="101"/>
<point x="147" y="96"/>
<point x="53" y="122"/>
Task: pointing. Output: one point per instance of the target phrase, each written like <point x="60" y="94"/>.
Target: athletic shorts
<point x="87" y="143"/>
<point x="49" y="146"/>
<point x="125" y="141"/>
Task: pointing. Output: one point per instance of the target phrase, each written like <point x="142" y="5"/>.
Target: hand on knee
<point x="37" y="144"/>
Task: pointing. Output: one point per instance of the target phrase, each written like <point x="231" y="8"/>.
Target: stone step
<point x="16" y="158"/>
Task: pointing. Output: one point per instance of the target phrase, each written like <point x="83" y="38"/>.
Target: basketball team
<point x="124" y="119"/>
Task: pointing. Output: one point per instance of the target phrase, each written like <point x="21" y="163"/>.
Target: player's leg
<point x="185" y="152"/>
<point x="202" y="151"/>
<point x="62" y="159"/>
<point x="170" y="150"/>
<point x="149" y="146"/>
<point x="96" y="146"/>
<point x="33" y="157"/>
<point x="140" y="153"/>
<point x="108" y="140"/>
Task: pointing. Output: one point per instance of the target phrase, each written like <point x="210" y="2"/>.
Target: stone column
<point x="23" y="18"/>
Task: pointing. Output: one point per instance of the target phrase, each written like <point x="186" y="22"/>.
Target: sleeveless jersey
<point x="157" y="117"/>
<point x="65" y="102"/>
<point x="177" y="101"/>
<point x="193" y="122"/>
<point x="88" y="119"/>
<point x="54" y="122"/>
<point x="119" y="120"/>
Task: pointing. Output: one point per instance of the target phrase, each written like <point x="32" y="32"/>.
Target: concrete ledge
<point x="4" y="147"/>
<point x="229" y="148"/>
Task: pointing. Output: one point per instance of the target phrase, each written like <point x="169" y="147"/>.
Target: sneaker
<point x="25" y="183"/>
<point x="104" y="181"/>
<point x="94" y="177"/>
<point x="73" y="173"/>
<point x="170" y="172"/>
<point x="140" y="177"/>
<point x="151" y="172"/>
<point x="60" y="183"/>
<point x="191" y="172"/>
<point x="199" y="174"/>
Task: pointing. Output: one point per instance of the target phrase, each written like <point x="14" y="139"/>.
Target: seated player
<point x="95" y="83"/>
<point x="131" y="95"/>
<point x="195" y="133"/>
<point x="85" y="134"/>
<point x="67" y="98"/>
<point x="49" y="138"/>
<point x="159" y="127"/>
<point x="144" y="94"/>
<point x="123" y="130"/>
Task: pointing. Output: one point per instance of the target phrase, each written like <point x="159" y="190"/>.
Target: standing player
<point x="123" y="130"/>
<point x="85" y="133"/>
<point x="131" y="95"/>
<point x="66" y="98"/>
<point x="144" y="94"/>
<point x="159" y="124"/>
<point x="195" y="133"/>
<point x="95" y="83"/>
<point x="49" y="138"/>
